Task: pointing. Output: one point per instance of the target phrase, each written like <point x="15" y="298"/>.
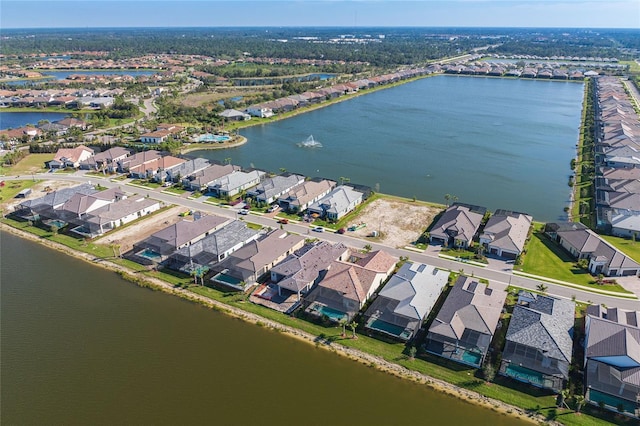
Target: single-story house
<point x="348" y="285"/>
<point x="199" y="181"/>
<point x="300" y="197"/>
<point x="271" y="188"/>
<point x="539" y="341"/>
<point x="506" y="233"/>
<point x="115" y="214"/>
<point x="234" y="115"/>
<point x="301" y="270"/>
<point x="406" y="300"/>
<point x="105" y="160"/>
<point x="463" y="329"/>
<point x="458" y="225"/>
<point x="32" y="209"/>
<point x="245" y="266"/>
<point x="340" y="201"/>
<point x="232" y="184"/>
<point x="582" y="243"/>
<point x="70" y="157"/>
<point x="612" y="359"/>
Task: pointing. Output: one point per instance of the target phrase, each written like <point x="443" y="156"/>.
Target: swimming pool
<point x="208" y="137"/>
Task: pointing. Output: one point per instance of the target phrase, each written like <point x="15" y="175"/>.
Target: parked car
<point x="243" y="212"/>
<point x="273" y="208"/>
<point x="341" y="231"/>
<point x="283" y="221"/>
<point x="318" y="229"/>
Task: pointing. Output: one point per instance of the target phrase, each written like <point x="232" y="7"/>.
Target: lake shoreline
<point x="353" y="354"/>
<point x="241" y="140"/>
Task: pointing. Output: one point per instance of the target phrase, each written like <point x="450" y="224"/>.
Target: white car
<point x="243" y="212"/>
<point x="318" y="229"/>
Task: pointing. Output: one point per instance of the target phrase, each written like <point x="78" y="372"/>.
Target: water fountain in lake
<point x="310" y="143"/>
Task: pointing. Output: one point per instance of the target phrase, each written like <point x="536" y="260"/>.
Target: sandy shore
<point x="353" y="354"/>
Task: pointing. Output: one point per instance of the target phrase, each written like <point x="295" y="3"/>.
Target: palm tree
<point x="542" y="288"/>
<point x="343" y="323"/>
<point x="353" y="325"/>
<point x="564" y="395"/>
<point x="447" y="197"/>
<point x="579" y="399"/>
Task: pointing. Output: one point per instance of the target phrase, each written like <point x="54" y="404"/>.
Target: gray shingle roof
<point x="460" y="221"/>
<point x="545" y="324"/>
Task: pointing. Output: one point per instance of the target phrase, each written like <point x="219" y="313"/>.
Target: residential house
<point x="463" y="329"/>
<point x="213" y="248"/>
<point x="21" y="134"/>
<point x="458" y="225"/>
<point x="234" y="115"/>
<point x="506" y="233"/>
<point x="245" y="266"/>
<point x="79" y="205"/>
<point x="301" y="270"/>
<point x="406" y="300"/>
<point x="260" y="111"/>
<point x="348" y="285"/>
<point x="160" y="245"/>
<point x="583" y="243"/>
<point x="340" y="201"/>
<point x="300" y="197"/>
<point x="232" y="184"/>
<point x="113" y="215"/>
<point x="155" y="169"/>
<point x="32" y="209"/>
<point x="188" y="168"/>
<point x="106" y="160"/>
<point x="70" y="157"/>
<point x="124" y="165"/>
<point x="199" y="181"/>
<point x="612" y="359"/>
<point x="539" y="341"/>
<point x="271" y="188"/>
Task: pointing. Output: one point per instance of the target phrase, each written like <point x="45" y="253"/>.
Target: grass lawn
<point x="173" y="190"/>
<point x="145" y="183"/>
<point x="546" y="259"/>
<point x="627" y="246"/>
<point x="32" y="163"/>
<point x="11" y="188"/>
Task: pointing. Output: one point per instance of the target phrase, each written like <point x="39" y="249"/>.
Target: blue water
<point x="213" y="138"/>
<point x="12" y="120"/>
<point x="499" y="143"/>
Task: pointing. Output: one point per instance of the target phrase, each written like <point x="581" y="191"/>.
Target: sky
<point x="317" y="13"/>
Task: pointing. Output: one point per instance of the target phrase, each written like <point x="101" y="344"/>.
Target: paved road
<point x="503" y="276"/>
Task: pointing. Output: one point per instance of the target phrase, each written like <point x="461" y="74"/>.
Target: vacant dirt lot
<point x="141" y="230"/>
<point x="399" y="222"/>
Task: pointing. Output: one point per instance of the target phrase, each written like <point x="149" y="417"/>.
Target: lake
<point x="61" y="75"/>
<point x="12" y="120"/>
<point x="81" y="346"/>
<point x="499" y="143"/>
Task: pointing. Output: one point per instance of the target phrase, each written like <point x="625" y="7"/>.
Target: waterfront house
<point x="199" y="181"/>
<point x="301" y="270"/>
<point x="161" y="244"/>
<point x="406" y="300"/>
<point x="458" y="225"/>
<point x="232" y="184"/>
<point x="463" y="329"/>
<point x="113" y="215"/>
<point x="45" y="206"/>
<point x="506" y="233"/>
<point x="70" y="157"/>
<point x="271" y="188"/>
<point x="583" y="243"/>
<point x="539" y="341"/>
<point x="234" y="115"/>
<point x="612" y="359"/>
<point x="213" y="248"/>
<point x="80" y="205"/>
<point x="340" y="201"/>
<point x="348" y="285"/>
<point x="260" y="111"/>
<point x="241" y="269"/>
<point x="21" y="134"/>
<point x="300" y="197"/>
<point x="162" y="133"/>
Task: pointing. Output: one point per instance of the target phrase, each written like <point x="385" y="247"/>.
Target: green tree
<point x="579" y="400"/>
<point x="353" y="325"/>
<point x="343" y="324"/>
<point x="542" y="288"/>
